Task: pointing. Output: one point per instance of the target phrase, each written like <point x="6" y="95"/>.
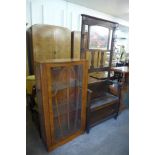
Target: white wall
<point x="62" y="13"/>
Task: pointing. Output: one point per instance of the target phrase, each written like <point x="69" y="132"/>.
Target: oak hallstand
<point x="99" y="45"/>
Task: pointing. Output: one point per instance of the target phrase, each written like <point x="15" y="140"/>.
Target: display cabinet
<point x="61" y="87"/>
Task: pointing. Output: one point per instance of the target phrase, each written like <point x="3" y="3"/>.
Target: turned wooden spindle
<point x="92" y="60"/>
<point x="101" y="61"/>
<point x="98" y="55"/>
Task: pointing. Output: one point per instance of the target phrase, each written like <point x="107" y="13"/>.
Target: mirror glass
<point x="98" y="38"/>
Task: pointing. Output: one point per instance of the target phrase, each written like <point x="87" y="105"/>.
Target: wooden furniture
<point x="97" y="44"/>
<point x="47" y="42"/>
<point x="75" y="50"/>
<point x="124" y="70"/>
<point x="103" y="55"/>
<point x="114" y="90"/>
<point x="119" y="75"/>
<point x="61" y="87"/>
<point x="99" y="59"/>
<point x="102" y="104"/>
<point x="122" y="75"/>
<point x="75" y="44"/>
<point x="101" y="75"/>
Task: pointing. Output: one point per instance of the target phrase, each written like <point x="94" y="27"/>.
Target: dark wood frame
<point x="111" y="107"/>
<point x="90" y="21"/>
<point x="105" y="109"/>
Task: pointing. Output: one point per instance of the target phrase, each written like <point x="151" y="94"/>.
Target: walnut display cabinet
<point x="61" y="87"/>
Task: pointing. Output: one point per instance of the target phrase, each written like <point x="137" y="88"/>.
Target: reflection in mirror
<point x="98" y="38"/>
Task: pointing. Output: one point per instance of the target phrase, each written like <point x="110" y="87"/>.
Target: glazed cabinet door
<point x="67" y="100"/>
<point x="62" y="94"/>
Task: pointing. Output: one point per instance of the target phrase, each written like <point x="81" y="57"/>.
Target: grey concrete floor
<point x="108" y="138"/>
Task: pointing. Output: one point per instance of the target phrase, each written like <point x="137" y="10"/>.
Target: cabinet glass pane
<point x="66" y="100"/>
